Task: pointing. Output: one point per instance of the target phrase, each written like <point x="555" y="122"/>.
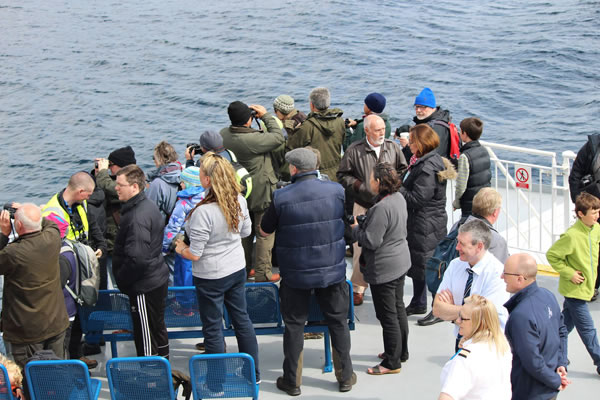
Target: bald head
<point x="81" y="180"/>
<point x="520" y="271"/>
<point x="28" y="219"/>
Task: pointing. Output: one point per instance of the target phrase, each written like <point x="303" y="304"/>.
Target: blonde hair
<point x="486" y="201"/>
<point x="14" y="372"/>
<point x="224" y="188"/>
<point x="485" y="324"/>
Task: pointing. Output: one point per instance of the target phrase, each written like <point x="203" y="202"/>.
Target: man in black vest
<point x="585" y="177"/>
<point x="308" y="216"/>
<point x="473" y="166"/>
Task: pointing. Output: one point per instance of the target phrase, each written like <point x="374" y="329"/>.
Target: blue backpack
<point x="442" y="255"/>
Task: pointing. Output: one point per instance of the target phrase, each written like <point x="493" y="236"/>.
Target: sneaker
<point x="358" y="298"/>
<point x="412" y="310"/>
<point x="252" y="272"/>
<point x="346" y="386"/>
<point x="313" y="335"/>
<point x="91" y="364"/>
<point x="200" y="347"/>
<point x="595" y="296"/>
<point x="286" y="387"/>
<point x="182" y="312"/>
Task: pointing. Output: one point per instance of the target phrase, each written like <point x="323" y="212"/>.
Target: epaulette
<point x="464" y="352"/>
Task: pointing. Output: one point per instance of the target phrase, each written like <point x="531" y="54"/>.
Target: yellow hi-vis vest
<point x="53" y="207"/>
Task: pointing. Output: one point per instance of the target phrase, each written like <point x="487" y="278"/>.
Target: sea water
<point x="79" y="79"/>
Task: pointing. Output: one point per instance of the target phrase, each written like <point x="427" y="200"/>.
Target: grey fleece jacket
<point x="383" y="240"/>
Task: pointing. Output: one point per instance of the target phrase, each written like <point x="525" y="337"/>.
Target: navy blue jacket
<point x="538" y="338"/>
<point x="308" y="216"/>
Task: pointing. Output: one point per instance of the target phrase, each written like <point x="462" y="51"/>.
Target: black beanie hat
<point x="239" y="113"/>
<point x="122" y="157"/>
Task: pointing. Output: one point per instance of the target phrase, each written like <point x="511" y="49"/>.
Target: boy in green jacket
<point x="575" y="257"/>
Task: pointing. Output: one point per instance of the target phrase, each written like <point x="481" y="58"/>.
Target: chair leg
<point x="328" y="367"/>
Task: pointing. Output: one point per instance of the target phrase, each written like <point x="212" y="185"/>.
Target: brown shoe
<point x="91" y="364"/>
<point x="274" y="278"/>
<point x="358" y="298"/>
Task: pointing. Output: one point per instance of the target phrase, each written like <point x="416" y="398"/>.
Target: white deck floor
<point x="429" y="347"/>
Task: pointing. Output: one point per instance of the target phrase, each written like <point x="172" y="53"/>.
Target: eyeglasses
<point x="463" y="318"/>
<point x="122" y="184"/>
<point x="511" y="274"/>
<point x="419" y="107"/>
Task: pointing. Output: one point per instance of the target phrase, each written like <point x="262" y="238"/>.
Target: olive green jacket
<point x="112" y="205"/>
<point x="253" y="150"/>
<point x="324" y="131"/>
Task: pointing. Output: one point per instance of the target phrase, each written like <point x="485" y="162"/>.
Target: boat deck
<point x="429" y="347"/>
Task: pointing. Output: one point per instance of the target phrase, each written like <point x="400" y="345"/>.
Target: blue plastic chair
<point x="60" y="380"/>
<point x="223" y="375"/>
<point x="5" y="387"/>
<point x="140" y="378"/>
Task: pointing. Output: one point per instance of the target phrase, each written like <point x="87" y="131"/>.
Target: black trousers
<point x="333" y="301"/>
<point x="388" y="299"/>
<point x="149" y="329"/>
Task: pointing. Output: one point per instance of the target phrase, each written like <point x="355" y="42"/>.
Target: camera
<point x="360" y="219"/>
<point x="253" y="113"/>
<point x="96" y="164"/>
<point x="347" y="122"/>
<point x="282" y="184"/>
<point x="11" y="210"/>
<point x="195" y="147"/>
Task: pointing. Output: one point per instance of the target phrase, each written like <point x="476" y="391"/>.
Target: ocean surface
<point x="81" y="78"/>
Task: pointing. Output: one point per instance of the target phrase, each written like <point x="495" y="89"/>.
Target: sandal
<point x="378" y="370"/>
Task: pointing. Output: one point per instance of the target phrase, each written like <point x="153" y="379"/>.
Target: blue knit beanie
<point x="375" y="102"/>
<point x="425" y="98"/>
<point x="191" y="177"/>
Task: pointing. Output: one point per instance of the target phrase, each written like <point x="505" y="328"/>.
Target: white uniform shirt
<point x="486" y="282"/>
<point x="478" y="372"/>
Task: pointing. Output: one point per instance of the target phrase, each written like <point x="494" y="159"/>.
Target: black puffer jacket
<point x="138" y="264"/>
<point x="424" y="189"/>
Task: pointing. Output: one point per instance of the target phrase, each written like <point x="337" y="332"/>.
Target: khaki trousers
<point x="358" y="282"/>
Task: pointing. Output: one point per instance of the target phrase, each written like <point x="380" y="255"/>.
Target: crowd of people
<point x="302" y="192"/>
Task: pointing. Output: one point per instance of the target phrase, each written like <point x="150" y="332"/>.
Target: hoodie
<point x="186" y="200"/>
<point x="164" y="186"/>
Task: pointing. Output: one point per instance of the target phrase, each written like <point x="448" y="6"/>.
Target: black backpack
<point x="438" y="263"/>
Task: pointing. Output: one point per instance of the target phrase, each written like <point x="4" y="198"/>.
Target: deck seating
<point x="140" y="378"/>
<point x="5" y="387"/>
<point x="60" y="380"/>
<point x="223" y="375"/>
<point x="111" y="318"/>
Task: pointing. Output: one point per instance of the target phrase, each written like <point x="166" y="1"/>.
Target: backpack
<point x="87" y="282"/>
<point x="454" y="139"/>
<point x="241" y="175"/>
<point x="438" y="263"/>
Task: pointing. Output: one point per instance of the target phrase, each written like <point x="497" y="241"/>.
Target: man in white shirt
<point x="476" y="271"/>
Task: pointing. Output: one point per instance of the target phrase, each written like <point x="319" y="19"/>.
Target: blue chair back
<point x="140" y="378"/>
<point x="5" y="387"/>
<point x="223" y="375"/>
<point x="60" y="380"/>
<point x="262" y="301"/>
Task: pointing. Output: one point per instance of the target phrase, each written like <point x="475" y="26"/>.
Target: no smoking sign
<point x="523" y="177"/>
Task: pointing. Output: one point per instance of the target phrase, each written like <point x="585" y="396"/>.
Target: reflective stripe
<point x="54" y="207"/>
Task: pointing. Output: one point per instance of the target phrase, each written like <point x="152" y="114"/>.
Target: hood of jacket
<point x="97" y="197"/>
<point x="191" y="193"/>
<point x="324" y="120"/>
<point x="438" y="115"/>
<point x="169" y="173"/>
<point x="448" y="173"/>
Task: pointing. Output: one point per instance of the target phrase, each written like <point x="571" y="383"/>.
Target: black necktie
<point x="468" y="284"/>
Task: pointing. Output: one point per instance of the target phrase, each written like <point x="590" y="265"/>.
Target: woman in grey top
<point x="215" y="228"/>
<point x="385" y="261"/>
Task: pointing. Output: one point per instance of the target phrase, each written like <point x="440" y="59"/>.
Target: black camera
<point x="195" y="147"/>
<point x="253" y="113"/>
<point x="347" y="122"/>
<point x="360" y="219"/>
<point x="11" y="210"/>
<point x="282" y="184"/>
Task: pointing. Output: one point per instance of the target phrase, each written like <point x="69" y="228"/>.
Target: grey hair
<point x="369" y="119"/>
<point x="29" y="224"/>
<point x="320" y="98"/>
<point x="479" y="231"/>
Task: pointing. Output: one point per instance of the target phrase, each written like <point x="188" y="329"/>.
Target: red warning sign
<point x="523" y="177"/>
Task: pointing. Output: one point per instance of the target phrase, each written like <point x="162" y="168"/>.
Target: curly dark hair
<point x="386" y="174"/>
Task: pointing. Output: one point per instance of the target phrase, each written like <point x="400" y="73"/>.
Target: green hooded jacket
<point x="253" y="150"/>
<point x="324" y="131"/>
<point x="576" y="250"/>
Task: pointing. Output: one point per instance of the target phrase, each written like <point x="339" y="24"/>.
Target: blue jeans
<point x="230" y="290"/>
<point x="577" y="315"/>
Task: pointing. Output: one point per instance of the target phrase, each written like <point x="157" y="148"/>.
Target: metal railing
<point x="532" y="218"/>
